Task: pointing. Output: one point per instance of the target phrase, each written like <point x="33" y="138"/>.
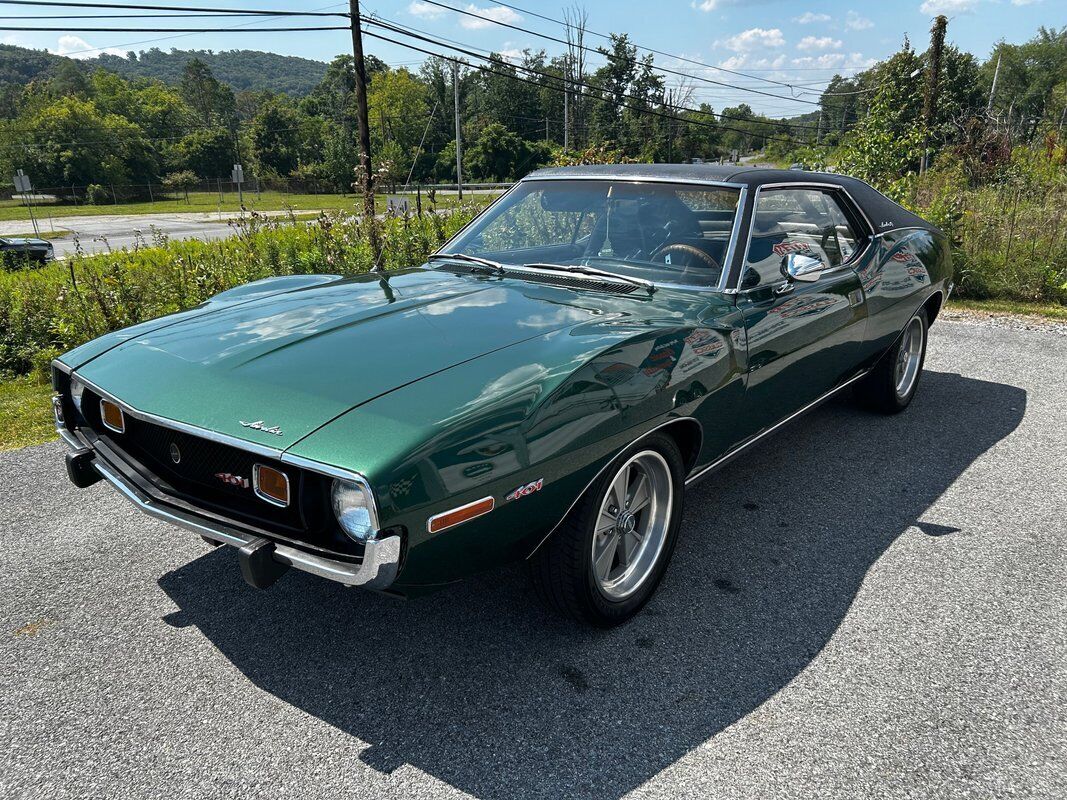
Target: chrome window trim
<point x="731" y="247"/>
<point x="263" y="495"/>
<point x="872" y="235"/>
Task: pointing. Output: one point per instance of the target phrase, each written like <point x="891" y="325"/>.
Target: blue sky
<point x="798" y="42"/>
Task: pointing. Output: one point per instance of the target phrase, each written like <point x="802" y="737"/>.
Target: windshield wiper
<point x="648" y="286"/>
<point x="496" y="266"/>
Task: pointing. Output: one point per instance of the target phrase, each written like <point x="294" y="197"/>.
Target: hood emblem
<point x="175" y="453"/>
<point x="259" y="425"/>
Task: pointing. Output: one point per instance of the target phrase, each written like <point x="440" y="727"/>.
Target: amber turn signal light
<point x="112" y="417"/>
<point x="271" y="484"/>
<point x="449" y="519"/>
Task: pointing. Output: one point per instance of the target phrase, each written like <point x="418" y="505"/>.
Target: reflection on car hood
<point x="298" y="359"/>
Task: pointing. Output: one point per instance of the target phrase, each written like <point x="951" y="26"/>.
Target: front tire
<point x="608" y="556"/>
<point x="891" y="385"/>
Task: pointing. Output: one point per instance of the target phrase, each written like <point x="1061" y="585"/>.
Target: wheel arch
<point x="687" y="434"/>
<point x="932" y="306"/>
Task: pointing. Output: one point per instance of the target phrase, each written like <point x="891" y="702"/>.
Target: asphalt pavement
<point x="865" y="606"/>
<point x="101" y="233"/>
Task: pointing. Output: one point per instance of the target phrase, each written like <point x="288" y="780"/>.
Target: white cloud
<point x="77" y="47"/>
<point x="818" y="43"/>
<point x="809" y="17"/>
<point x="1025" y="2"/>
<point x="425" y="10"/>
<point x="854" y="22"/>
<point x="835" y="61"/>
<point x="754" y="39"/>
<point x="512" y="54"/>
<point x="746" y="60"/>
<point x="949" y="7"/>
<point x="488" y="17"/>
<point x="705" y="5"/>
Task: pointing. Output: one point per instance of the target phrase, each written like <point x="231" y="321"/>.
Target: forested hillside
<point x="242" y="70"/>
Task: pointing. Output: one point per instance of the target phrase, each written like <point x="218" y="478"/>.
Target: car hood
<point x="293" y="361"/>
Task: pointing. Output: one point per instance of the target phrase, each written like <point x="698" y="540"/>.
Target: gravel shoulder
<point x="863" y="607"/>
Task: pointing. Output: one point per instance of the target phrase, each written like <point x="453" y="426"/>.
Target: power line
<point x="618" y="104"/>
<point x="571" y="81"/>
<point x="169" y="30"/>
<point x="671" y="55"/>
<point x="139" y="7"/>
<point x="611" y="57"/>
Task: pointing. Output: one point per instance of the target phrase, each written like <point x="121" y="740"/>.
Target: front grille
<point x="218" y="478"/>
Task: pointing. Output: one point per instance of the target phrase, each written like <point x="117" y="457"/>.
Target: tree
<point x="71" y="142"/>
<point x="208" y="153"/>
<point x="276" y="138"/>
<point x="213" y="102"/>
<point x="888" y="141"/>
<point x="396" y="106"/>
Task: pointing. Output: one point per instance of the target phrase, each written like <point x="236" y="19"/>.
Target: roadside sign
<point x="238" y="174"/>
<point x="22" y="182"/>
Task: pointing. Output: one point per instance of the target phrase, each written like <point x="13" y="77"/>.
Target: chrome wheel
<point x="631" y="526"/>
<point x="909" y="357"/>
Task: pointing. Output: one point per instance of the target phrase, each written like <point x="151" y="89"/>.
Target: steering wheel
<point x="689" y="250"/>
<point x="826" y="240"/>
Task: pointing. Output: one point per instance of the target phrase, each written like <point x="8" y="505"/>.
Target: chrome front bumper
<point x="381" y="557"/>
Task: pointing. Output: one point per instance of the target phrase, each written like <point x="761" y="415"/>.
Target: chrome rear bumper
<point x="381" y="557"/>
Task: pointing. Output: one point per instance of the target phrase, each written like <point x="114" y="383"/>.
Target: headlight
<point x="77" y="389"/>
<point x="354" y="508"/>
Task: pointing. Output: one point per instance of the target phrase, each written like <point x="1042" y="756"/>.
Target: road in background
<point x="98" y="234"/>
<point x="864" y="606"/>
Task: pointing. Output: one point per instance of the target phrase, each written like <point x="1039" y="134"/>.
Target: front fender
<point x="555" y="409"/>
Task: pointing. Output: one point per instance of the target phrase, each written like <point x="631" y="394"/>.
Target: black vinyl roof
<point x="883" y="213"/>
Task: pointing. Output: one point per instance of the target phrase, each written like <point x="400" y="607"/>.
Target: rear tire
<point x="607" y="557"/>
<point x="891" y="385"/>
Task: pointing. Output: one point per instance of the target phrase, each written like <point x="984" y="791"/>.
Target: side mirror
<point x="799" y="267"/>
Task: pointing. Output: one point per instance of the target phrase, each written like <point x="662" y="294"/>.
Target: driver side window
<point x="808" y="222"/>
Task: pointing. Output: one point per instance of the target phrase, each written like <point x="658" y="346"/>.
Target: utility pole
<point x="818" y="133"/>
<point x="366" y="177"/>
<point x="933" y="84"/>
<point x="566" y="122"/>
<point x="459" y="135"/>
<point x="993" y="88"/>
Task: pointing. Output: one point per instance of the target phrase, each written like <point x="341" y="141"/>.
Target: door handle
<point x="785" y="287"/>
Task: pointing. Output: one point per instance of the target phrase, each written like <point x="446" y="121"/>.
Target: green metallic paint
<point x="444" y="388"/>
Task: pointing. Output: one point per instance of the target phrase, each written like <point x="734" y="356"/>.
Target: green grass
<point x="25" y="413"/>
<point x="1048" y="310"/>
<point x="208" y="202"/>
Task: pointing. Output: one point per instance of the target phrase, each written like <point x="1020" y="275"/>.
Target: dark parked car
<point x="22" y="251"/>
<point x="543" y="389"/>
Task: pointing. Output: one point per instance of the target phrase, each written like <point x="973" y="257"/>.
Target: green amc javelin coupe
<point x="542" y="389"/>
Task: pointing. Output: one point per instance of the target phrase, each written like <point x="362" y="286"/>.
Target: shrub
<point x="96" y="195"/>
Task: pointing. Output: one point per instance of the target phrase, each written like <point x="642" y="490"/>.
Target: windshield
<point x="660" y="232"/>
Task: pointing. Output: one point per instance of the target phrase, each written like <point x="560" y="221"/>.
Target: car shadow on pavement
<point x="480" y="688"/>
